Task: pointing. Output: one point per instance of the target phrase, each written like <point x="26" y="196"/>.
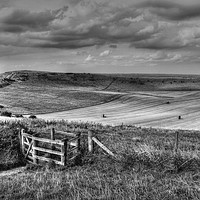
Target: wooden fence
<point x="92" y="140"/>
<point x="36" y="149"/>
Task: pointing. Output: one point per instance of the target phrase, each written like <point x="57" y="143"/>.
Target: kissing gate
<point x="37" y="149"/>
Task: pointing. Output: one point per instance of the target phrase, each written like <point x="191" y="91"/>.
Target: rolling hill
<point x="136" y="99"/>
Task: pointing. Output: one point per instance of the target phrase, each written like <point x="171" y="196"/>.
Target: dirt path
<point x="143" y="109"/>
<point x="12" y="172"/>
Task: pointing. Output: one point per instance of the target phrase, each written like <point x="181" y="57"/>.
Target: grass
<point x="52" y="92"/>
<point x="146" y="166"/>
<point x="20" y="98"/>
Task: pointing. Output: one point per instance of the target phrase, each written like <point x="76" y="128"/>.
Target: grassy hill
<point x="43" y="92"/>
<point x="33" y="92"/>
<point x="146" y="166"/>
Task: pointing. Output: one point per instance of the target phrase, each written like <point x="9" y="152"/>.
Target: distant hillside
<point x="33" y="92"/>
<point x="110" y="82"/>
<point x="30" y="92"/>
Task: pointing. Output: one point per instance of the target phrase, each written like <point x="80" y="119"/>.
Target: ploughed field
<point x="134" y="99"/>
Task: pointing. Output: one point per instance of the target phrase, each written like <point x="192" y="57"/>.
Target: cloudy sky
<point x="129" y="36"/>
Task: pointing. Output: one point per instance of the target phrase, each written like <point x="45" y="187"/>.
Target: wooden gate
<point x="27" y="147"/>
<point x="36" y="149"/>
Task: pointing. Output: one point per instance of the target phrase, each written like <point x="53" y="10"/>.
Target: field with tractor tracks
<point x="150" y="100"/>
<point x="151" y="109"/>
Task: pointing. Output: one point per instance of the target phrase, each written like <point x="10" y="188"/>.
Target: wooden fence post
<point x="79" y="142"/>
<point x="34" y="154"/>
<point x="176" y="141"/>
<point x="64" y="151"/>
<point x="22" y="141"/>
<point x="52" y="137"/>
<point x="52" y="134"/>
<point x="90" y="142"/>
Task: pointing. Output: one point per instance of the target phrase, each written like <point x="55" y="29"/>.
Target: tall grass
<point x="146" y="166"/>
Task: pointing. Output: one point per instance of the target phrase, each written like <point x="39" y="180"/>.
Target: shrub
<point x="32" y="117"/>
<point x="6" y="113"/>
<point x="19" y="115"/>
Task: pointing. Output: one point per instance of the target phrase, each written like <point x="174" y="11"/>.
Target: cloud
<point x="89" y="58"/>
<point x="165" y="56"/>
<point x="82" y="23"/>
<point x="13" y="21"/>
<point x="136" y="19"/>
<point x="161" y="56"/>
<point x="171" y="37"/>
<point x="120" y="57"/>
<point x="81" y="53"/>
<point x="105" y="53"/>
<point x="74" y="2"/>
<point x="4" y="4"/>
<point x="172" y="10"/>
<point x="190" y="36"/>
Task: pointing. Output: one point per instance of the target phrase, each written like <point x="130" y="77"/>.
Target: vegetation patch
<point x="19" y="115"/>
<point x="32" y="117"/>
<point x="6" y="113"/>
<point x="146" y="166"/>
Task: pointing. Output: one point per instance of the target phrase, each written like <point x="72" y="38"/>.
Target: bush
<point x="6" y="113"/>
<point x="32" y="117"/>
<point x="19" y="115"/>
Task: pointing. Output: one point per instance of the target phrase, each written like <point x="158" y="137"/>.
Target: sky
<point x="100" y="36"/>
